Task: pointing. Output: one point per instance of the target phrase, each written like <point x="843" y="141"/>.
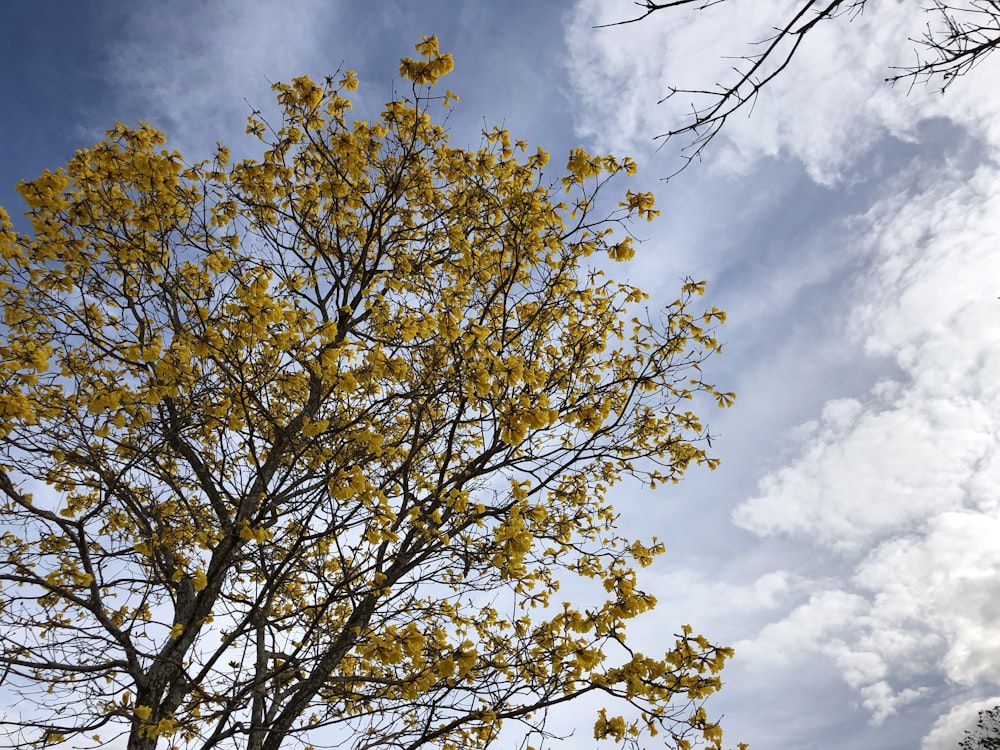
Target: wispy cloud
<point x="188" y="66"/>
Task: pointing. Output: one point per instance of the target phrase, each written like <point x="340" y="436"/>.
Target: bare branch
<point x="961" y="36"/>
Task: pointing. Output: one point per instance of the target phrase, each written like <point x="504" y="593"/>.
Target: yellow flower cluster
<point x="328" y="429"/>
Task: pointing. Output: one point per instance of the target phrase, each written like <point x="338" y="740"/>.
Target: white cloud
<point x="619" y="73"/>
<point x="916" y="608"/>
<point x="809" y="627"/>
<point x="882" y="701"/>
<point x="889" y="470"/>
<point x="721" y="600"/>
<point x="925" y="445"/>
<point x="944" y="584"/>
<point x="950" y="728"/>
<point x="827" y="109"/>
<point x="903" y="485"/>
<point x="722" y="611"/>
<point x="189" y="67"/>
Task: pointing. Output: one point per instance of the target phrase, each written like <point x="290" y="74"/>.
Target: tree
<point x="960" y="36"/>
<point x="986" y="735"/>
<point x="300" y="449"/>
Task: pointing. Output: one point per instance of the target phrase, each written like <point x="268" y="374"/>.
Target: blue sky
<point x="847" y="547"/>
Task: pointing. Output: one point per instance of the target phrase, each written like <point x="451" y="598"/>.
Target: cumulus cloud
<point x="950" y="728"/>
<point x="918" y="608"/>
<point x="925" y="445"/>
<point x="944" y="585"/>
<point x="855" y="483"/>
<point x="806" y="627"/>
<point x="902" y="485"/>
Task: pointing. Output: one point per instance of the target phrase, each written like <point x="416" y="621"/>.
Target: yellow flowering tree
<point x="299" y="449"/>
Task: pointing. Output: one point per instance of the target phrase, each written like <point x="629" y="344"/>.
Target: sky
<point x="847" y="547"/>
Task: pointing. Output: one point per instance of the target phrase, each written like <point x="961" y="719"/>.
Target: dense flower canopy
<point x="304" y="446"/>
